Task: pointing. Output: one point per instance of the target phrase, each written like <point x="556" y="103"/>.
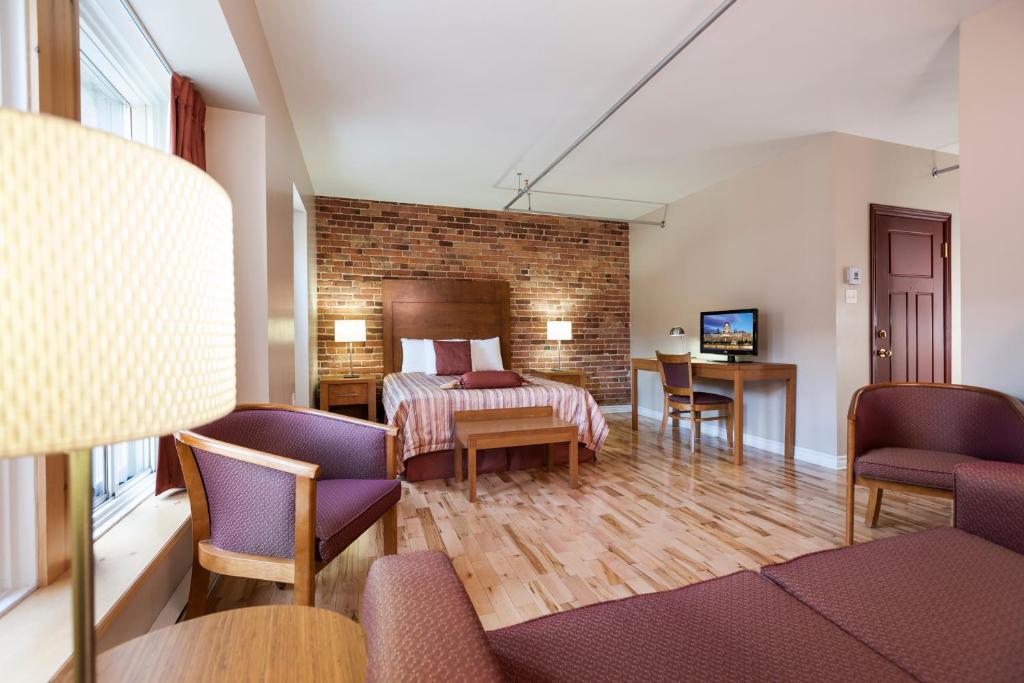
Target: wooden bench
<point x="508" y="427"/>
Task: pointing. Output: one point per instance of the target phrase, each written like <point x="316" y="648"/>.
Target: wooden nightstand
<point x="337" y="390"/>
<point x="577" y="378"/>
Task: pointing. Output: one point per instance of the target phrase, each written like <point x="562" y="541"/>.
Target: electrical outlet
<point x="851" y="296"/>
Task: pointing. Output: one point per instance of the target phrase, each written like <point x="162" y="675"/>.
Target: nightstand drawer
<point x="347" y="394"/>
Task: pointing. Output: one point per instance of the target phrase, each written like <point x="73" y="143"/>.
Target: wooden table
<point x="276" y="643"/>
<point x="738" y="374"/>
<point x="338" y="390"/>
<point x="508" y="427"/>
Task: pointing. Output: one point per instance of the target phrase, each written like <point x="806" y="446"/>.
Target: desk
<point x="275" y="643"/>
<point x="738" y="374"/>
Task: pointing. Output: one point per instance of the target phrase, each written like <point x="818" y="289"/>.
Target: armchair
<point x="277" y="492"/>
<point x="911" y="437"/>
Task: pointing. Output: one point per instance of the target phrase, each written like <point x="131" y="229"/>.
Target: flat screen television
<point x="730" y="333"/>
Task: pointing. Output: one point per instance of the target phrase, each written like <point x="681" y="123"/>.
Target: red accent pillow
<point x="491" y="379"/>
<point x="453" y="357"/>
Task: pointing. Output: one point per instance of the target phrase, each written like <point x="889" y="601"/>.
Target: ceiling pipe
<point x="692" y="36"/>
<point x="936" y="172"/>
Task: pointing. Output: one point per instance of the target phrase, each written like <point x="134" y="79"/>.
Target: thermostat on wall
<point x="853" y="275"/>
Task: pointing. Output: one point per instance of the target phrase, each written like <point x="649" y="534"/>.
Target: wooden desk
<point x="508" y="427"/>
<point x="738" y="374"/>
<point x="276" y="643"/>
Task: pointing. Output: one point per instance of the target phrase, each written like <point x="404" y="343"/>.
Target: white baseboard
<point x="820" y="458"/>
<point x="608" y="410"/>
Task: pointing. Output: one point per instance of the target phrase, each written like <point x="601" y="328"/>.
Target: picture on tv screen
<point x="729" y="332"/>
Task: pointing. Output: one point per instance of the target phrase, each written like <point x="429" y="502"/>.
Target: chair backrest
<point x="974" y="421"/>
<point x="676" y="373"/>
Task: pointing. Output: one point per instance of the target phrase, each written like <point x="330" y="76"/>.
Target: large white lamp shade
<point x="116" y="287"/>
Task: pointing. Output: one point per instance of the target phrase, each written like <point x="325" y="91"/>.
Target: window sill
<point x="124" y="556"/>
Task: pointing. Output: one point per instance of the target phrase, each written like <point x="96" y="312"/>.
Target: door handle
<point x="884" y="353"/>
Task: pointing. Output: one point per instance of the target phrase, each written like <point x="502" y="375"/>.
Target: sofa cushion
<point x="737" y="628"/>
<point x="941" y="604"/>
<point x="910" y="466"/>
<point x="345" y="508"/>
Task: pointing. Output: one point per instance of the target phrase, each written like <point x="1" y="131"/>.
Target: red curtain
<point x="188" y="114"/>
<point x="188" y="141"/>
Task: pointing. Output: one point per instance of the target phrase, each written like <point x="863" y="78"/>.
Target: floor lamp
<point x="116" y="284"/>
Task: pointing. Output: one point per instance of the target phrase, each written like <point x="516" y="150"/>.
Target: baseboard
<point x="609" y="410"/>
<point x="820" y="458"/>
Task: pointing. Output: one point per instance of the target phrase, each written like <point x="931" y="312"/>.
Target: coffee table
<point x="507" y="427"/>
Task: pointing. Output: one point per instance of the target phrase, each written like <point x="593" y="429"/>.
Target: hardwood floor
<point x="648" y="516"/>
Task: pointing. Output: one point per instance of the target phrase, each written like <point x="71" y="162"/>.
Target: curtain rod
<point x="145" y="34"/>
<point x="936" y="172"/>
<point x="692" y="36"/>
<point x="603" y="219"/>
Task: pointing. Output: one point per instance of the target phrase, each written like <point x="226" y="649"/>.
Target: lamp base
<point x="80" y="538"/>
<point x="350" y="376"/>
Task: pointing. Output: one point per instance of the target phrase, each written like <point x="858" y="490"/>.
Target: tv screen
<point x="732" y="333"/>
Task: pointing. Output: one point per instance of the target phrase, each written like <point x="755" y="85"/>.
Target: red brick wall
<point x="557" y="268"/>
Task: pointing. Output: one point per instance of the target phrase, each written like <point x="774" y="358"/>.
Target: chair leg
<point x="874" y="506"/>
<point x="693" y="430"/>
<point x="696" y="426"/>
<point x="389" y="529"/>
<point x="305" y="588"/>
<point x="664" y="420"/>
<point x="198" y="590"/>
<point x="728" y="425"/>
<point x="851" y="499"/>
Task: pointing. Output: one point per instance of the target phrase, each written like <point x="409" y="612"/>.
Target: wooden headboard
<point x="444" y="309"/>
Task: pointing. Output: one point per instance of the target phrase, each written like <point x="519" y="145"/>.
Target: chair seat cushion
<point x="700" y="398"/>
<point x="940" y="604"/>
<point x="737" y="628"/>
<point x="345" y="508"/>
<point x="910" y="466"/>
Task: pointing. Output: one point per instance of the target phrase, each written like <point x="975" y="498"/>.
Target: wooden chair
<point x="278" y="491"/>
<point x="911" y="437"/>
<point x="680" y="398"/>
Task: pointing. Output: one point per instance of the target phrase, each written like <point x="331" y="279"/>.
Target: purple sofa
<point x="939" y="605"/>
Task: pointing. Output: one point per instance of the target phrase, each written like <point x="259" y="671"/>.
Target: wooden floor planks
<point x="648" y="516"/>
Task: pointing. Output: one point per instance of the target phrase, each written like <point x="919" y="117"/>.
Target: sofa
<point x="944" y="604"/>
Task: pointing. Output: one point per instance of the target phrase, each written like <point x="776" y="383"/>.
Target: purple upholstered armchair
<point x="278" y="491"/>
<point x="910" y="437"/>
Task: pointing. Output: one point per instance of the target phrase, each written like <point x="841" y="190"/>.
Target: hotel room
<point x="575" y="341"/>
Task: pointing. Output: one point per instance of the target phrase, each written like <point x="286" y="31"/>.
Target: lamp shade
<point x="559" y="330"/>
<point x="116" y="289"/>
<point x="350" y="330"/>
<point x="677" y="332"/>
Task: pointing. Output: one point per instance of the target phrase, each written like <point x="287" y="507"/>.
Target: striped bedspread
<point x="422" y="411"/>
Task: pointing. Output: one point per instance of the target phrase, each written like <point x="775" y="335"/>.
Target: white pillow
<point x="486" y="354"/>
<point x="413" y="355"/>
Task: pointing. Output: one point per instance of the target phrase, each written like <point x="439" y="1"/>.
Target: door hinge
<point x="945" y="250"/>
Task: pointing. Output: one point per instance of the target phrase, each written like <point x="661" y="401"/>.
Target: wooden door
<point x="910" y="297"/>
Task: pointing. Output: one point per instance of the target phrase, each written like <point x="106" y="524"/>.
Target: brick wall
<point x="557" y="268"/>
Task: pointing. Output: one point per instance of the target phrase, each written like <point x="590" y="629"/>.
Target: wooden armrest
<point x="249" y="455"/>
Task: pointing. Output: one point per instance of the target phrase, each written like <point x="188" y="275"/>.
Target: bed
<point x="422" y="411"/>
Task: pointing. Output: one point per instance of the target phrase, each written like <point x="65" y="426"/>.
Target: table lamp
<point x="678" y="332"/>
<point x="350" y="331"/>
<point x="559" y="330"/>
<point x="116" y="284"/>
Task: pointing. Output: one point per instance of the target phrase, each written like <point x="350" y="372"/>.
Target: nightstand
<point x="337" y="390"/>
<point x="577" y="378"/>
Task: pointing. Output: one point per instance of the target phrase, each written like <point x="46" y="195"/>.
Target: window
<point x="17" y="475"/>
<point x="125" y="90"/>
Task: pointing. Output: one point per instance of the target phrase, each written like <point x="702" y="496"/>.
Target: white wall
<point x="285" y="169"/>
<point x="236" y="158"/>
<point x="301" y="285"/>
<point x="777" y="237"/>
<point x="760" y="239"/>
<point x="992" y="195"/>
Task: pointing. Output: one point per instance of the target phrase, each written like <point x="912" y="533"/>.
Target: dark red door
<point x="909" y="295"/>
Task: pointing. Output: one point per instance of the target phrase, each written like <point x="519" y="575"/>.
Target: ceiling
<point x="443" y="102"/>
